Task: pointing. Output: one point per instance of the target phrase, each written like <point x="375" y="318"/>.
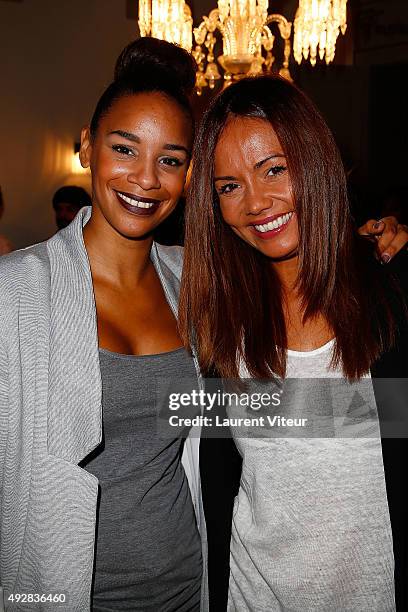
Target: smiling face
<point x="254" y="188"/>
<point x="138" y="159"/>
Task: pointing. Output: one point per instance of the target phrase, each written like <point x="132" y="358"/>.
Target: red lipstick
<point x="273" y="232"/>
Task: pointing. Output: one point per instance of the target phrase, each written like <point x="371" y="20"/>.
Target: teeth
<point x="275" y="223"/>
<point x="136" y="203"/>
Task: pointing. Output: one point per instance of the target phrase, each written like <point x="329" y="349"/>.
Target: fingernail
<point x="378" y="224"/>
<point x="385" y="258"/>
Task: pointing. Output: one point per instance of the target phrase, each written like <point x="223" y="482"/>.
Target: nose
<point x="144" y="174"/>
<point x="257" y="201"/>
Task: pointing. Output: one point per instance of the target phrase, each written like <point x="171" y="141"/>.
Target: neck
<point x="287" y="271"/>
<point x="301" y="335"/>
<point x="114" y="258"/>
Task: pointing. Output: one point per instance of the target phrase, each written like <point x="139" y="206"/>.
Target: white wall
<point x="56" y="56"/>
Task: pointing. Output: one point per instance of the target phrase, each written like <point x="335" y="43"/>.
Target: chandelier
<point x="245" y="32"/>
<point x="247" y="38"/>
<point x="168" y="20"/>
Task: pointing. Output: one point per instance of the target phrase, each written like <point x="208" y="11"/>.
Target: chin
<point x="271" y="249"/>
<point x="137" y="227"/>
<point x="136" y="232"/>
<point x="284" y="257"/>
<point x="276" y="251"/>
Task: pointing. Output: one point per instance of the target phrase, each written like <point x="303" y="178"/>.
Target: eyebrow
<point x="263" y="161"/>
<point x="176" y="147"/>
<point x="134" y="138"/>
<point x="126" y="135"/>
<point x="256" y="166"/>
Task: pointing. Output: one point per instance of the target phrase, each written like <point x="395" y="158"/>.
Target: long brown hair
<point x="231" y="299"/>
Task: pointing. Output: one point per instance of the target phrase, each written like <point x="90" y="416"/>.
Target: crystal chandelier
<point x="247" y="40"/>
<point x="168" y="20"/>
<point x="244" y="27"/>
<point x="317" y="24"/>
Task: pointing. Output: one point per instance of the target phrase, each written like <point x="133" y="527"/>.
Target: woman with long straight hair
<point x="277" y="283"/>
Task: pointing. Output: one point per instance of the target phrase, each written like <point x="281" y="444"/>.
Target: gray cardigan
<point x="51" y="419"/>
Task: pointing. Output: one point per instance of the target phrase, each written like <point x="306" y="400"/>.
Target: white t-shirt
<point x="311" y="529"/>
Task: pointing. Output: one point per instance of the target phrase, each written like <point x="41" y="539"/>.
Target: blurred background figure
<point x="5" y="244"/>
<point x="67" y="201"/>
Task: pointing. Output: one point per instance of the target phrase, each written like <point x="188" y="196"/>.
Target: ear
<point x="86" y="147"/>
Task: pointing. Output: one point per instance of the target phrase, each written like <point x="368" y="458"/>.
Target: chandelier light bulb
<point x="168" y="20"/>
<point x="316" y="28"/>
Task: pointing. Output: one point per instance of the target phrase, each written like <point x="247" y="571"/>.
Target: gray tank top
<point x="148" y="550"/>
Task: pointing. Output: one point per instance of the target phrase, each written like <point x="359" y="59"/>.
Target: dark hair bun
<point x="152" y="59"/>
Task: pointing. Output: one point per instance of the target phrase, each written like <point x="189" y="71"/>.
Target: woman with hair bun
<point x="87" y="327"/>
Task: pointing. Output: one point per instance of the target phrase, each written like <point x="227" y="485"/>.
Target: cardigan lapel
<point x="169" y="282"/>
<point x="75" y="388"/>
